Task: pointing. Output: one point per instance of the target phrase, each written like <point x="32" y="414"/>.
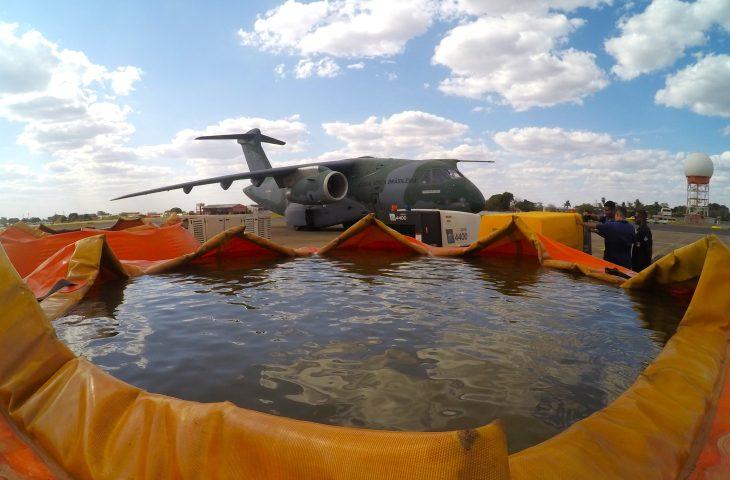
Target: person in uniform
<point x="641" y="253"/>
<point x="609" y="211"/>
<point x="619" y="237"/>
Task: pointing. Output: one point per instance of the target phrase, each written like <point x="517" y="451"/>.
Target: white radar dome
<point x="698" y="165"/>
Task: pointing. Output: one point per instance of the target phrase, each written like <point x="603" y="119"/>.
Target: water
<point x="387" y="343"/>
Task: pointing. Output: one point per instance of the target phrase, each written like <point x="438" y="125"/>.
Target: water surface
<point x="378" y="342"/>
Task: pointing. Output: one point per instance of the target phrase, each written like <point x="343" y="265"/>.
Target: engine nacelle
<point x="326" y="186"/>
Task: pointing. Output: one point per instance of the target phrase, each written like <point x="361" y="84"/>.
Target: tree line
<point x="70" y="218"/>
<point x="507" y="202"/>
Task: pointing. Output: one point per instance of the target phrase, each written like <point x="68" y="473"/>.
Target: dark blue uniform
<point x="641" y="256"/>
<point x="619" y="237"/>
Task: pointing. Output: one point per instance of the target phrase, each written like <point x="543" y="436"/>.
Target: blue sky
<point x="574" y="99"/>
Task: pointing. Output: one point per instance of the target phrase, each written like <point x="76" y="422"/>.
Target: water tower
<point x="698" y="169"/>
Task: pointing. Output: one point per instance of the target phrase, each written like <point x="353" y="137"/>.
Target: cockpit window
<point x="437" y="176"/>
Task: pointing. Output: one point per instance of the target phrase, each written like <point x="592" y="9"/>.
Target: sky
<point x="573" y="99"/>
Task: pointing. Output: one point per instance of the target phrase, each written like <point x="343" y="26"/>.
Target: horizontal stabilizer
<point x="462" y="161"/>
<point x="250" y="136"/>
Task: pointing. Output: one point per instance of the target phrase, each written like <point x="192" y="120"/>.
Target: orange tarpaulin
<point x="64" y="278"/>
<point x="125" y="223"/>
<point x="514" y="238"/>
<point x="371" y="234"/>
<point x="17" y="459"/>
<point x="20" y="232"/>
<point x="164" y="243"/>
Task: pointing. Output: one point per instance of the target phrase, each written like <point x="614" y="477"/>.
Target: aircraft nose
<point x="475" y="199"/>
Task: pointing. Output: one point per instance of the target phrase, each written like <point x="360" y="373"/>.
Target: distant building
<point x="225" y="209"/>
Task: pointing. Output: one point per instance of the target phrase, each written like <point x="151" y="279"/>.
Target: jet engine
<point x="325" y="186"/>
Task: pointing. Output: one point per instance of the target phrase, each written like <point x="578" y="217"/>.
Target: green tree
<point x="566" y="205"/>
<point x="719" y="211"/>
<point x="585" y="207"/>
<point x="526" y="206"/>
<point x="499" y="202"/>
<point x="176" y="209"/>
<point x="73" y="217"/>
<point x="13" y="220"/>
<point x="3" y="221"/>
<point x="653" y="209"/>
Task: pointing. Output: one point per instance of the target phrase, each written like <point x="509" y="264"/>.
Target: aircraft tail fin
<point x="251" y="144"/>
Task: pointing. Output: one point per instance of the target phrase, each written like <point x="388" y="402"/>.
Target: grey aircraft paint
<point x="342" y="191"/>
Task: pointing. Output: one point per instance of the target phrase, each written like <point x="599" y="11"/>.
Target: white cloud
<point x="123" y="79"/>
<point x="658" y="36"/>
<point x="499" y="7"/>
<point x="26" y="60"/>
<point x="520" y="57"/>
<point x="722" y="163"/>
<point x="283" y="27"/>
<point x="356" y="66"/>
<point x="553" y="165"/>
<point x="725" y="130"/>
<point x="280" y="70"/>
<point x="55" y="93"/>
<point x="325" y="68"/>
<point x="703" y="87"/>
<point x="214" y="157"/>
<point x="70" y="111"/>
<point x="541" y="141"/>
<point x="344" y="29"/>
<point x="392" y="76"/>
<point x="464" y="151"/>
<point x="408" y="133"/>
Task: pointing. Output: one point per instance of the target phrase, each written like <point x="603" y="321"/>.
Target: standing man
<point x="618" y="236"/>
<point x="609" y="212"/>
<point x="641" y="254"/>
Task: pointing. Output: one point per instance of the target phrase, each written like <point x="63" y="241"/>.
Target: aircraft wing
<point x="280" y="174"/>
<point x="225" y="181"/>
<point x="456" y="160"/>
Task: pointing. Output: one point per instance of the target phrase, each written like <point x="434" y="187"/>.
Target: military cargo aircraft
<point x="318" y="195"/>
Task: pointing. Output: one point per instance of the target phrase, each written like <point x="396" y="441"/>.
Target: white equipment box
<point x="205" y="227"/>
<point x="440" y="228"/>
<point x="459" y="229"/>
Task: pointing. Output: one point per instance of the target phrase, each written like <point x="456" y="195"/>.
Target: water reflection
<point x="519" y="284"/>
<point x="379" y="342"/>
<point x="93" y="325"/>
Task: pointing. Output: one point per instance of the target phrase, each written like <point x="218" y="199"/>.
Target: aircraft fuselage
<point x="375" y="185"/>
